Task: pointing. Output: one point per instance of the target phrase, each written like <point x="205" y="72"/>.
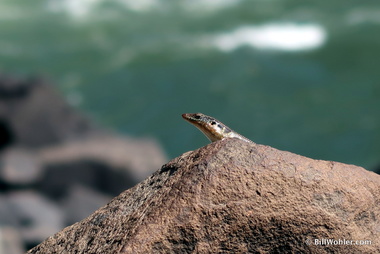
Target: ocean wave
<point x="274" y="36"/>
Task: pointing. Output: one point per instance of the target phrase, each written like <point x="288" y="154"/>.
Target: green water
<point x="137" y="67"/>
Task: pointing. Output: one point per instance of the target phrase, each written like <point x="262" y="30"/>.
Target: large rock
<point x="235" y="197"/>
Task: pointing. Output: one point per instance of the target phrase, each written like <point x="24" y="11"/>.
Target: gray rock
<point x="80" y="202"/>
<point x="19" y="166"/>
<point x="35" y="217"/>
<point x="7" y="216"/>
<point x="137" y="158"/>
<point x="36" y="115"/>
<point x="56" y="166"/>
<point x="10" y="241"/>
<point x="235" y="197"/>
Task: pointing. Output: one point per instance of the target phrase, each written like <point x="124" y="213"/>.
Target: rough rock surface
<point x="234" y="197"/>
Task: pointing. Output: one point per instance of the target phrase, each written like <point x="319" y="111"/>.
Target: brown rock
<point x="234" y="197"/>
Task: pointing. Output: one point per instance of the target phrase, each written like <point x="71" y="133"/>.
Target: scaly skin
<point x="212" y="128"/>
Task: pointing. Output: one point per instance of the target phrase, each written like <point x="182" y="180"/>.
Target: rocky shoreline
<point x="56" y="166"/>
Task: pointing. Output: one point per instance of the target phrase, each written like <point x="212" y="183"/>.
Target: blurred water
<point x="299" y="76"/>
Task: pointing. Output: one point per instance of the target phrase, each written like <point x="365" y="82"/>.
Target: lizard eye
<point x="213" y="123"/>
<point x="197" y="117"/>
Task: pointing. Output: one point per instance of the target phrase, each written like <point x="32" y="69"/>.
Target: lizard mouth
<point x="186" y="117"/>
<point x="191" y="117"/>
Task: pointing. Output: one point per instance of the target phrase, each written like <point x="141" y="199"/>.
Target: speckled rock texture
<point x="235" y="197"/>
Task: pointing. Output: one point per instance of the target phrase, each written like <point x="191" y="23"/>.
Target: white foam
<point x="275" y="36"/>
<point x="75" y="8"/>
<point x="82" y="8"/>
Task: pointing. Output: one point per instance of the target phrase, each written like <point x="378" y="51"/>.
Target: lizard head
<point x="211" y="127"/>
